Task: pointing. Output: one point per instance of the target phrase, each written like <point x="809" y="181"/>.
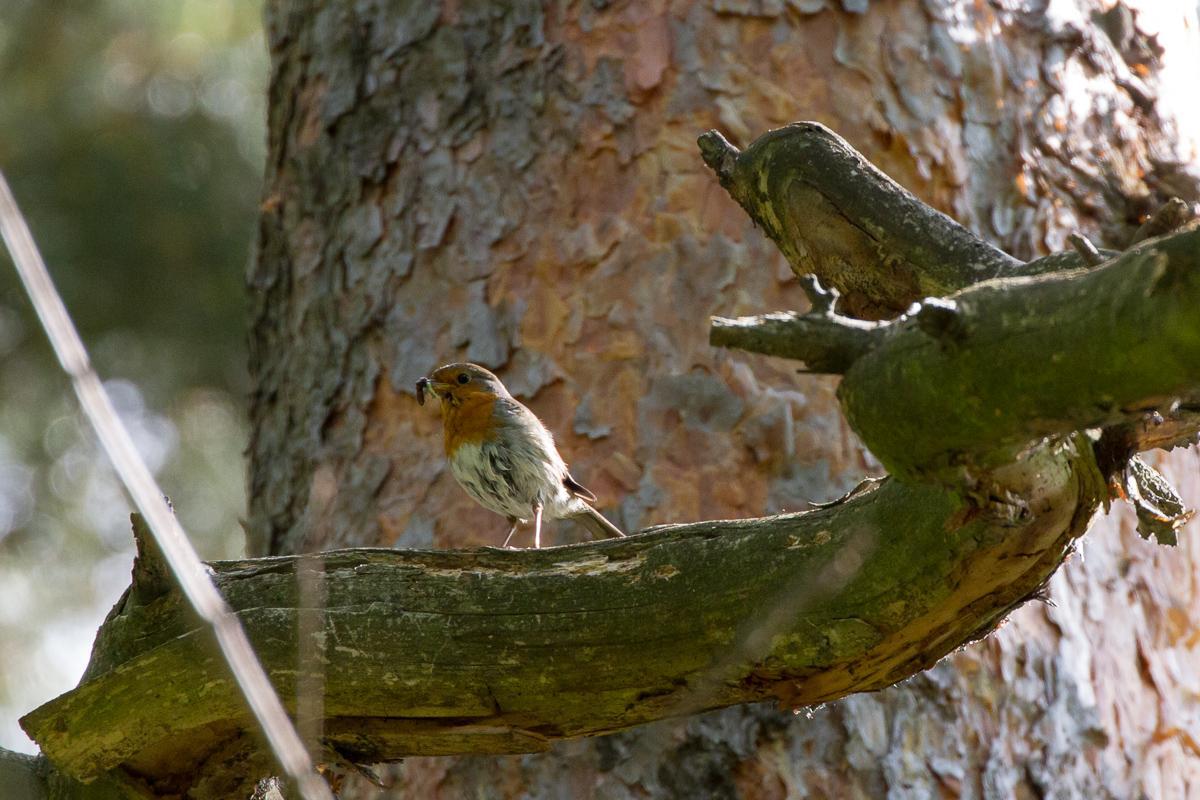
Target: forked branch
<point x="979" y="396"/>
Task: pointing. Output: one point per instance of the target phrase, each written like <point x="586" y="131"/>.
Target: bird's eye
<point x="464" y="377"/>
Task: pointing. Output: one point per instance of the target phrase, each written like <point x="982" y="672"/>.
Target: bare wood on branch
<point x="983" y="395"/>
<point x="496" y="651"/>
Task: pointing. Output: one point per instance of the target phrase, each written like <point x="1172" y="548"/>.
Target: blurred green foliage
<point x="132" y="133"/>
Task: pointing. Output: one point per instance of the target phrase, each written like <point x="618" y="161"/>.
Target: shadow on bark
<point x="1007" y="399"/>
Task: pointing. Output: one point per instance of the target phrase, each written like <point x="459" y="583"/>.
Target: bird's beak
<point x="431" y="386"/>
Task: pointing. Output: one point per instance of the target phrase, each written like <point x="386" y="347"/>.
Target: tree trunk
<point x="518" y="184"/>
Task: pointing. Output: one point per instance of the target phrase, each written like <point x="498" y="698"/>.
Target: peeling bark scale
<point x="518" y="184"/>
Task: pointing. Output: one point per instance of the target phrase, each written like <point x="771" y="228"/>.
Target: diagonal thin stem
<point x="180" y="556"/>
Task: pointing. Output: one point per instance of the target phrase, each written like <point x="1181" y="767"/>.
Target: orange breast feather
<point x="470" y="422"/>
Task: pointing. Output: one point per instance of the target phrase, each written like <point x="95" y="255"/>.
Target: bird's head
<point x="455" y="383"/>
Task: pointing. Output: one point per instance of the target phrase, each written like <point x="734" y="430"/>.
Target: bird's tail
<point x="595" y="522"/>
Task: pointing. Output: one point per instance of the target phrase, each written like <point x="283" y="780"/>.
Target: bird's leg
<point x="511" y="531"/>
<point x="537" y="526"/>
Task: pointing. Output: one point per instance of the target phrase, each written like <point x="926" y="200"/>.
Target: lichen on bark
<point x="436" y="653"/>
<point x="574" y="240"/>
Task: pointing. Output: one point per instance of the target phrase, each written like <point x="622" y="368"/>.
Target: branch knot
<point x="719" y="155"/>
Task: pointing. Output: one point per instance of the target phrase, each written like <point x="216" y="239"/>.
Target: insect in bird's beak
<point x="423" y="385"/>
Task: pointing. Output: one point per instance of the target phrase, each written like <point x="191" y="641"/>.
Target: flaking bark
<point x="929" y="254"/>
<point x="501" y="652"/>
<point x="589" y="203"/>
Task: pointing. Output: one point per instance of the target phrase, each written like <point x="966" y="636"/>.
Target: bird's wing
<point x="578" y="489"/>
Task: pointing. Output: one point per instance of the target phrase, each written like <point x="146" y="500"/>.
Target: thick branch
<point x="1023" y="359"/>
<point x="835" y="215"/>
<point x="25" y="777"/>
<point x="498" y="651"/>
<point x="505" y="652"/>
<point x="970" y="380"/>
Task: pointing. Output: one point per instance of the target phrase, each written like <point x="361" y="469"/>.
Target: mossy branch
<point x="1018" y="360"/>
<point x="25" y="777"/>
<point x="835" y="215"/>
<point x="965" y="382"/>
<point x="990" y="355"/>
<point x="497" y="651"/>
<point x="975" y="397"/>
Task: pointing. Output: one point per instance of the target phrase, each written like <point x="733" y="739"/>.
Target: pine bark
<point x="518" y="184"/>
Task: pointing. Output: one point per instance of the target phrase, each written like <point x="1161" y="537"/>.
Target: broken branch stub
<point x="980" y="366"/>
<point x="968" y="381"/>
<point x="835" y="215"/>
<point x="968" y="398"/>
<point x="826" y="343"/>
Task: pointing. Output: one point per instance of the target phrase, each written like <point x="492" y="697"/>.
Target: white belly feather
<point x="511" y="475"/>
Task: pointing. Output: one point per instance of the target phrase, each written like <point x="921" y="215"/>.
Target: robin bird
<point x="503" y="456"/>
